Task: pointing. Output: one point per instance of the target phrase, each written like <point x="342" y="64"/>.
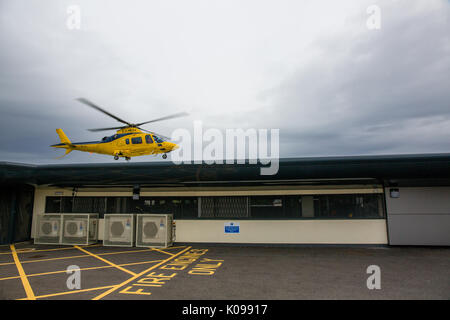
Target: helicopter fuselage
<point x="127" y="142"/>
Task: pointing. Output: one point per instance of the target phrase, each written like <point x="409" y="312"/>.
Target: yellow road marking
<point x="50" y="259"/>
<point x="162" y="251"/>
<point x="138" y="275"/>
<point x="72" y="257"/>
<point x="28" y="250"/>
<point x="23" y="276"/>
<point x="88" y="268"/>
<point x="106" y="261"/>
<point x="58" y="249"/>
<point x="69" y="292"/>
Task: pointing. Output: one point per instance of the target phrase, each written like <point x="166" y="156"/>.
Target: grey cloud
<point x="361" y="93"/>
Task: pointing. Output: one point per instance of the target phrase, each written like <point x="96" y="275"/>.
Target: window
<point x="334" y="206"/>
<point x="182" y="207"/>
<point x="136" y="140"/>
<point x="148" y="139"/>
<point x="53" y="204"/>
<point x="127" y="141"/>
<point x="75" y="205"/>
<point x="348" y="206"/>
<point x="158" y="139"/>
<point x="275" y="207"/>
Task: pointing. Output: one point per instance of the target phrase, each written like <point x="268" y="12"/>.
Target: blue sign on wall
<point x="231" y="227"/>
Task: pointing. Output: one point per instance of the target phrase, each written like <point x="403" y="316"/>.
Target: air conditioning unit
<point x="48" y="229"/>
<point x="80" y="228"/>
<point x="75" y="228"/>
<point x="118" y="230"/>
<point x="154" y="230"/>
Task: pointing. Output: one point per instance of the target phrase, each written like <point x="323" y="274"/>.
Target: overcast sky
<point x="312" y="69"/>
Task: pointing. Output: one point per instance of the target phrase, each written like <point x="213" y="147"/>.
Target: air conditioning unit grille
<point x="79" y="229"/>
<point x="150" y="229"/>
<point x="48" y="229"/>
<point x="72" y="228"/>
<point x="118" y="230"/>
<point x="154" y="230"/>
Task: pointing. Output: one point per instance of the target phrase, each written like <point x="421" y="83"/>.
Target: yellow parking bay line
<point x="82" y="269"/>
<point x="69" y="292"/>
<point x="29" y="250"/>
<point x="106" y="261"/>
<point x="23" y="276"/>
<point x="81" y="256"/>
<point x="162" y="251"/>
<point x="138" y="275"/>
<point x="57" y="249"/>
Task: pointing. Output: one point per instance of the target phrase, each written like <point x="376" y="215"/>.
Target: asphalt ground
<point x="222" y="272"/>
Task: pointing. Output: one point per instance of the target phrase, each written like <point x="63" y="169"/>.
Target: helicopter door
<point x="137" y="144"/>
<point x="148" y="139"/>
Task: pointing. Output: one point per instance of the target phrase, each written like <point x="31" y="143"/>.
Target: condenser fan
<point x="72" y="228"/>
<point x="46" y="228"/>
<point x="117" y="228"/>
<point x="150" y="229"/>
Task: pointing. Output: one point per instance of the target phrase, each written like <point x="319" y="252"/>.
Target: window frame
<point x="136" y="139"/>
<point x="151" y="139"/>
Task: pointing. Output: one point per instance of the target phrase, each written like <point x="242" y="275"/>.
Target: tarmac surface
<point x="203" y="272"/>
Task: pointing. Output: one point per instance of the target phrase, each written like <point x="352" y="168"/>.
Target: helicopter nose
<point x="174" y="146"/>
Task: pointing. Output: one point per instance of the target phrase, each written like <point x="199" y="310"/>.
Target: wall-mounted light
<point x="136" y="192"/>
<point x="394" y="193"/>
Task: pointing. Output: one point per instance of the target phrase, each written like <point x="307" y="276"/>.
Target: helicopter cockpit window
<point x="136" y="140"/>
<point x="158" y="139"/>
<point x="107" y="139"/>
<point x="148" y="139"/>
<point x="127" y="141"/>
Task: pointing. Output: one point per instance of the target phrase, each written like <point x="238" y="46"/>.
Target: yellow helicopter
<point x="129" y="140"/>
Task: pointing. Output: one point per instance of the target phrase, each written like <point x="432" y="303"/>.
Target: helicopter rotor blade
<point x="172" y="116"/>
<point x="90" y="104"/>
<point x="106" y="129"/>
<point x="154" y="133"/>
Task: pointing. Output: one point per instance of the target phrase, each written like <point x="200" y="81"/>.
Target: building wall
<point x="419" y="216"/>
<point x="285" y="231"/>
<point x="299" y="231"/>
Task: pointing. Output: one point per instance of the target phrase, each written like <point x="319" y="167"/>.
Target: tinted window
<point x="158" y="139"/>
<point x="267" y="207"/>
<point x="148" y="139"/>
<point x="136" y="140"/>
<point x="127" y="141"/>
<point x="348" y="206"/>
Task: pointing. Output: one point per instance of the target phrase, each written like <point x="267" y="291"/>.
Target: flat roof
<point x="422" y="168"/>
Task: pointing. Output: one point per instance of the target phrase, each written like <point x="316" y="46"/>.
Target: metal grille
<point x="119" y="230"/>
<point x="48" y="229"/>
<point x="154" y="230"/>
<point x="89" y="204"/>
<point x="207" y="207"/>
<point x="79" y="228"/>
<point x="224" y="207"/>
